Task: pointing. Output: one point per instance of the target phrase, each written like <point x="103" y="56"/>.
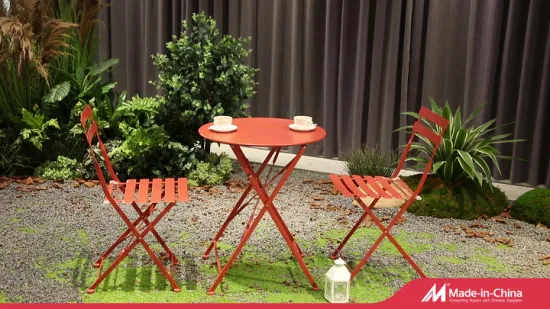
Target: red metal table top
<point x="263" y="132"/>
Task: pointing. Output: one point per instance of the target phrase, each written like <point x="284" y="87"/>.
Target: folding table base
<point x="268" y="206"/>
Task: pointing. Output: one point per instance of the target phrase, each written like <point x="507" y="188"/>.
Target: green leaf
<point x="102" y="67"/>
<point x="474" y="113"/>
<point x="107" y="88"/>
<point x="437" y="165"/>
<point x="58" y="92"/>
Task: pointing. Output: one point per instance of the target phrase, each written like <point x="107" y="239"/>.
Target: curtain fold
<point x="356" y="65"/>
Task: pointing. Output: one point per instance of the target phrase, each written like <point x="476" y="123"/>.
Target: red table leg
<point x="237" y="208"/>
<point x="269" y="207"/>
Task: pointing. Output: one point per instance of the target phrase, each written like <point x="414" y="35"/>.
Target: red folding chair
<point x="378" y="187"/>
<point x="148" y="192"/>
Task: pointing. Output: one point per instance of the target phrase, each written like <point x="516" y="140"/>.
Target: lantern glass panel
<point x="340" y="292"/>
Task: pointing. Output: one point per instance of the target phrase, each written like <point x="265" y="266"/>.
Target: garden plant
<point x="49" y="73"/>
<point x="371" y="161"/>
<point x="461" y="184"/>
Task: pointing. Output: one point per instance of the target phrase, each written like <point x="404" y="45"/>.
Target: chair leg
<point x="139" y="238"/>
<point x="345" y="240"/>
<point x="367" y="257"/>
<point x="119" y="259"/>
<point x="386" y="233"/>
<point x="163" y="270"/>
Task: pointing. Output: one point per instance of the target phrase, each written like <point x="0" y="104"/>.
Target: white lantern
<point x="337" y="283"/>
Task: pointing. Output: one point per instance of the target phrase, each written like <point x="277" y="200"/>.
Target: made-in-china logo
<point x="446" y="293"/>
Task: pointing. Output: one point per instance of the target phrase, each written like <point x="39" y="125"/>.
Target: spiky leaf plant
<point x="466" y="150"/>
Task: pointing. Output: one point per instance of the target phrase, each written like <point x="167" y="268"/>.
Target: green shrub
<point x="12" y="158"/>
<point x="533" y="206"/>
<point x="215" y="170"/>
<point x="463" y="199"/>
<point x="371" y="161"/>
<point x="202" y="76"/>
<point x="62" y="168"/>
<point x="144" y="148"/>
<point x="464" y="151"/>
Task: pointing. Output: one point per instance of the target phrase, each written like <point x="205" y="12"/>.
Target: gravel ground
<point x="44" y="228"/>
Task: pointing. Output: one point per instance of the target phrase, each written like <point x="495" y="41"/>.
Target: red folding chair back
<point x="133" y="191"/>
<point x="377" y="187"/>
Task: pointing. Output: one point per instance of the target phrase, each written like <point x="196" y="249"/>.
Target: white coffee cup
<point x="222" y="121"/>
<point x="303" y="122"/>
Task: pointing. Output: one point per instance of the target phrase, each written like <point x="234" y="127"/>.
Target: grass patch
<point x="28" y="230"/>
<point x="490" y="262"/>
<point x="370" y="235"/>
<point x="252" y="279"/>
<point x="449" y="246"/>
<point x="3" y="298"/>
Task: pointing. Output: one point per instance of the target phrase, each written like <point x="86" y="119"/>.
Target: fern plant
<point x="465" y="151"/>
<point x="36" y="128"/>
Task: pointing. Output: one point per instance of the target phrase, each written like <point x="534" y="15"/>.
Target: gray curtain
<point x="356" y="65"/>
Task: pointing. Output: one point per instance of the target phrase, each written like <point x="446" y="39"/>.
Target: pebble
<point x="40" y="231"/>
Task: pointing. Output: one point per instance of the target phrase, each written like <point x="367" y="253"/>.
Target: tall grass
<point x="43" y="43"/>
<point x="371" y="161"/>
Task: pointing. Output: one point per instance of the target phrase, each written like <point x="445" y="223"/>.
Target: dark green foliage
<point x="533" y="206"/>
<point x="463" y="199"/>
<point x="144" y="148"/>
<point x="40" y="99"/>
<point x="11" y="158"/>
<point x="202" y="76"/>
<point x="371" y="161"/>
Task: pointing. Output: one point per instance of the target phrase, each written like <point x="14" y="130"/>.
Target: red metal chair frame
<point x="378" y="187"/>
<point x="117" y="192"/>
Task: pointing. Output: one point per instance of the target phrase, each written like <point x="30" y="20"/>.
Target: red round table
<point x="263" y="132"/>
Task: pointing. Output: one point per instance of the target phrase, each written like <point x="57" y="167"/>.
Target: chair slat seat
<point x="377" y="187"/>
<point x="144" y="191"/>
<point x="374" y="187"/>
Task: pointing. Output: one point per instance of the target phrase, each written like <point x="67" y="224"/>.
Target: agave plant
<point x="465" y="151"/>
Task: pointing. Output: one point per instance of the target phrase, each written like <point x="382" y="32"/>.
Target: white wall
<point x="324" y="165"/>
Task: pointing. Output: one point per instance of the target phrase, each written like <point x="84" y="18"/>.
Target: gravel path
<point x="43" y="229"/>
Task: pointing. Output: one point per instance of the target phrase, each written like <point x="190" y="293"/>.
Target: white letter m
<point x="433" y="296"/>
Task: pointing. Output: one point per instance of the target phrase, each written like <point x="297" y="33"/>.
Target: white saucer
<point x="294" y="127"/>
<point x="223" y="129"/>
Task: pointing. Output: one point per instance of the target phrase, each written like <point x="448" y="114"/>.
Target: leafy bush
<point x="202" y="76"/>
<point x="62" y="168"/>
<point x="463" y="199"/>
<point x="144" y="147"/>
<point x="216" y="169"/>
<point x="371" y="161"/>
<point x="464" y="151"/>
<point x="533" y="206"/>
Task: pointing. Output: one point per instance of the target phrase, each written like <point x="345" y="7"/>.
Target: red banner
<point x="420" y="293"/>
